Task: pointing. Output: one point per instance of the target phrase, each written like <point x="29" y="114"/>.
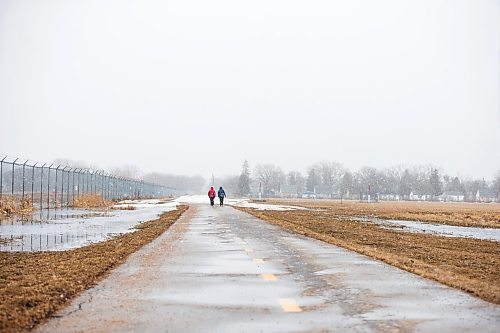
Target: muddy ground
<point x="33" y="286"/>
<point x="469" y="264"/>
<point x="486" y="215"/>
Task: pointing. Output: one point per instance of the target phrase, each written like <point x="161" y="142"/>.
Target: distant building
<point x="288" y="191"/>
<point x="451" y="196"/>
<point x="368" y="197"/>
<point x="416" y="196"/>
<point x="486" y="195"/>
<point x="389" y="197"/>
<point x="308" y="195"/>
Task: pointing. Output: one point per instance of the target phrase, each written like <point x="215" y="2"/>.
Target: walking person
<point x="221" y="194"/>
<point x="211" y="195"/>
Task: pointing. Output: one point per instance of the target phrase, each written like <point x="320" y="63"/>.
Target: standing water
<point x="65" y="229"/>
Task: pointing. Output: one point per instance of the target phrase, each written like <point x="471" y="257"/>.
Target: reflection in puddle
<point x="436" y="229"/>
<point x="51" y="215"/>
<point x="72" y="228"/>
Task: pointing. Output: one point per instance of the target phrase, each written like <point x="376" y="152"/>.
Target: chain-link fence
<point x="52" y="186"/>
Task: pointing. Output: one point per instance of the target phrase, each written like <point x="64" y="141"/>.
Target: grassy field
<point x="33" y="286"/>
<point x="485" y="215"/>
<point x="468" y="264"/>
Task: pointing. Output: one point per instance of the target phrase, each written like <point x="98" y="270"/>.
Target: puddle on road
<point x="435" y="229"/>
<point x="65" y="229"/>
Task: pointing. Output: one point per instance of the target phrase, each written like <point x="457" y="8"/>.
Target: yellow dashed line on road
<point x="269" y="277"/>
<point x="289" y="305"/>
<point x="258" y="261"/>
<point x="248" y="250"/>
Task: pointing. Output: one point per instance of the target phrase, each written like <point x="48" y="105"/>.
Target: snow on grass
<point x="146" y="203"/>
<point x="237" y="202"/>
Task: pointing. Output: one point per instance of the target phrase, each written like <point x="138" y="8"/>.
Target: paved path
<point x="221" y="270"/>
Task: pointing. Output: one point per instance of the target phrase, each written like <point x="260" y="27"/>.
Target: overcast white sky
<point x="195" y="87"/>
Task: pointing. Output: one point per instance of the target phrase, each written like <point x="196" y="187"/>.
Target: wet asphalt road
<point x="221" y="270"/>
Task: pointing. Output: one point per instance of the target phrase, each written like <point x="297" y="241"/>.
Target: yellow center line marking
<point x="289" y="305"/>
<point x="269" y="277"/>
<point x="248" y="250"/>
<point x="258" y="261"/>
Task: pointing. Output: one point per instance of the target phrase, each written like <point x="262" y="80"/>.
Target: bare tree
<point x="347" y="185"/>
<point x="270" y="177"/>
<point x="295" y="178"/>
<point x="496" y="186"/>
<point x="128" y="171"/>
<point x="331" y="173"/>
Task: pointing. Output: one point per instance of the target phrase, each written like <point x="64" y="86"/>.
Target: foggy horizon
<point x="195" y="88"/>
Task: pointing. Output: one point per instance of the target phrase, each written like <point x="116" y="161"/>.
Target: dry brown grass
<point x="13" y="205"/>
<point x="129" y="207"/>
<point x="486" y="215"/>
<point x="91" y="201"/>
<point x="33" y="286"/>
<point x="469" y="264"/>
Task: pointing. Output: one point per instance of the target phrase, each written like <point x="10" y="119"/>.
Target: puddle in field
<point x="65" y="229"/>
<point x="436" y="229"/>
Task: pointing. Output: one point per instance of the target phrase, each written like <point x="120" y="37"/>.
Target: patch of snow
<point x="145" y="203"/>
<point x="63" y="232"/>
<point x="193" y="199"/>
<point x="237" y="202"/>
<point x="437" y="229"/>
<point x="262" y="206"/>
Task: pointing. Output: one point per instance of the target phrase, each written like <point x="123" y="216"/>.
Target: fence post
<point x="87" y="180"/>
<point x="13" y="176"/>
<point x="62" y="185"/>
<point x="78" y="183"/>
<point x="67" y="188"/>
<point x="33" y="184"/>
<point x="24" y="173"/>
<point x="107" y="186"/>
<point x="48" y="188"/>
<point x="1" y="177"/>
<point x="95" y="181"/>
<point x="41" y="186"/>
<point x="73" y="186"/>
<point x="55" y="194"/>
<point x="103" y="193"/>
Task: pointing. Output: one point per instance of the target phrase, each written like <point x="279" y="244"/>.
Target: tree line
<point x="181" y="183"/>
<point x="328" y="179"/>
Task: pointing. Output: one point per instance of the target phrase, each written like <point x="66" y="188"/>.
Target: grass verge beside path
<point x="461" y="214"/>
<point x="33" y="286"/>
<point x="469" y="264"/>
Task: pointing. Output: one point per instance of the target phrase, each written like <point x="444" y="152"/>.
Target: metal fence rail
<point x="53" y="186"/>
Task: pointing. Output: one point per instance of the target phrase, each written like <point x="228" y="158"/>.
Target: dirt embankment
<point x="33" y="286"/>
<point x="469" y="264"/>
<point x="481" y="215"/>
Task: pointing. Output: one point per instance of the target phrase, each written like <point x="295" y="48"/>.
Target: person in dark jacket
<point x="211" y="195"/>
<point x="221" y="194"/>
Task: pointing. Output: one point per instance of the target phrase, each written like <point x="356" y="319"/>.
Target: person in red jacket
<point x="211" y="195"/>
